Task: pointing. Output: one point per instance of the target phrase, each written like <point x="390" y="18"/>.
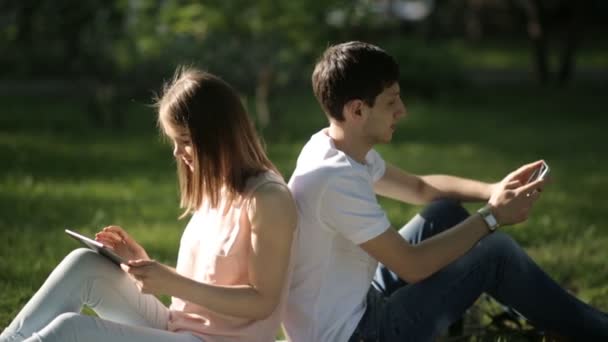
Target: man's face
<point x="381" y="119"/>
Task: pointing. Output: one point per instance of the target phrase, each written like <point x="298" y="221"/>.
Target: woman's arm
<point x="273" y="218"/>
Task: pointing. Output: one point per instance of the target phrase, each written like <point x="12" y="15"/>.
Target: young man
<point x="435" y="267"/>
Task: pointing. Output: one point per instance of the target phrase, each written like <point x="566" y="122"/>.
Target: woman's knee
<point x="64" y="325"/>
<point x="83" y="259"/>
<point x="66" y="319"/>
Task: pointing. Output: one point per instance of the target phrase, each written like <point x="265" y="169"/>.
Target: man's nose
<point x="402" y="112"/>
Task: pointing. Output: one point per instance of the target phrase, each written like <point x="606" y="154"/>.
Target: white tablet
<point x="98" y="247"/>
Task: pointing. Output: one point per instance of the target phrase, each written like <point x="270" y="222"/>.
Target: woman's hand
<point x="512" y="199"/>
<point x="117" y="239"/>
<point x="150" y="276"/>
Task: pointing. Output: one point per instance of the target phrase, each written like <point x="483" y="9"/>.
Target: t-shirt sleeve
<point x="349" y="207"/>
<point x="378" y="165"/>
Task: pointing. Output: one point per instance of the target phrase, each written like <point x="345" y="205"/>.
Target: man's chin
<point x="383" y="139"/>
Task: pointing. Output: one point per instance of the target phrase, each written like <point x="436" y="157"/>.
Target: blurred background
<point x="489" y="85"/>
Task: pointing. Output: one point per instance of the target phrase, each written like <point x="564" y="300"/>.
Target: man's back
<point x="337" y="211"/>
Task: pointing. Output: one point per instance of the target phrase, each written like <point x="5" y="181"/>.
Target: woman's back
<point x="215" y="249"/>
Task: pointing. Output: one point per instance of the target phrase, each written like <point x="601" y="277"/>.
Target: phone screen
<point x="539" y="172"/>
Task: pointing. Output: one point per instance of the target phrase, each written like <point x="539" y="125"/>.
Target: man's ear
<point x="353" y="110"/>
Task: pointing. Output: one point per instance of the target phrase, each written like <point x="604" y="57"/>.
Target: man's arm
<point x="510" y="202"/>
<point x="402" y="186"/>
<point x="414" y="263"/>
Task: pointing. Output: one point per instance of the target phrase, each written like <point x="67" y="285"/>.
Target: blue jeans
<point x="496" y="265"/>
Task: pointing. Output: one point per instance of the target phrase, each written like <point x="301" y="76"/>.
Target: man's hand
<point x="117" y="239"/>
<point x="512" y="199"/>
<point x="150" y="276"/>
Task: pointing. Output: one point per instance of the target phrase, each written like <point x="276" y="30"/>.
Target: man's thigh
<point x="437" y="217"/>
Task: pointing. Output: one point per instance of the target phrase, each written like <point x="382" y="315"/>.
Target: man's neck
<point x="351" y="144"/>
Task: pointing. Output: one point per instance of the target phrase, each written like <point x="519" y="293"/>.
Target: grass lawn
<point x="58" y="170"/>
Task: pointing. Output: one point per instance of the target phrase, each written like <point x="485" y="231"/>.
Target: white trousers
<point x="86" y="278"/>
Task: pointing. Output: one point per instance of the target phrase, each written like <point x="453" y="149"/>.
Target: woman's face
<point x="182" y="148"/>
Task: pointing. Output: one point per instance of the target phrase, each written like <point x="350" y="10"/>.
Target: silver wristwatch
<point x="489" y="218"/>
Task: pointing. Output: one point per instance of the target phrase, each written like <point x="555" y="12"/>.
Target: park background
<point x="488" y="84"/>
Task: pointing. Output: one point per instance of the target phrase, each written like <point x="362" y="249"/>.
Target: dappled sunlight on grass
<point x="578" y="263"/>
<point x="60" y="171"/>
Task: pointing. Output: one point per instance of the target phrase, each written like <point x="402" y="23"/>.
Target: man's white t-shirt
<point x="338" y="210"/>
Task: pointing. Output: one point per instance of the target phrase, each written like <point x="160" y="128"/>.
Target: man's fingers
<point x="532" y="186"/>
<point x="531" y="166"/>
<point x="526" y="170"/>
<point x="514" y="184"/>
<point x="535" y="195"/>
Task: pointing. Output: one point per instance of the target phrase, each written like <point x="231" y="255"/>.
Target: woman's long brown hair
<point x="226" y="148"/>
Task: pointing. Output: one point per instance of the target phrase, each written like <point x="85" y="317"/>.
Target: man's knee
<point x="500" y="243"/>
<point x="447" y="210"/>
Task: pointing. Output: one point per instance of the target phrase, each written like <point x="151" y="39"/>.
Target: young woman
<point x="233" y="263"/>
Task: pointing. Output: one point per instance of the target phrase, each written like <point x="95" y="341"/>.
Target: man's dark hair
<point x="352" y="70"/>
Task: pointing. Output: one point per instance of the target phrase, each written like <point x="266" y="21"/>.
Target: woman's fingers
<point x="140" y="262"/>
<point x="107" y="243"/>
<point x="137" y="268"/>
<point x="120" y="232"/>
<point x="108" y="236"/>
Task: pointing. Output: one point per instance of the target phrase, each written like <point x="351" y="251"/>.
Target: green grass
<point x="58" y="170"/>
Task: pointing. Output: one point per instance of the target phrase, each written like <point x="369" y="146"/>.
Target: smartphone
<point x="539" y="173"/>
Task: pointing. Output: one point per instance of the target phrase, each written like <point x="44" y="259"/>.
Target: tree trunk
<point x="537" y="35"/>
<point x="24" y="16"/>
<point x="473" y="24"/>
<point x="572" y="39"/>
<point x="262" y="91"/>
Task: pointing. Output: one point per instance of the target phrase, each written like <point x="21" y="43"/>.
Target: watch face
<point x="487" y="216"/>
<point x="491" y="221"/>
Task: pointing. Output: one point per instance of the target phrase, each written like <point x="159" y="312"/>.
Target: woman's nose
<point x="177" y="150"/>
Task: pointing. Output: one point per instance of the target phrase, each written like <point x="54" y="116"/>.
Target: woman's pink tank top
<point x="214" y="249"/>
